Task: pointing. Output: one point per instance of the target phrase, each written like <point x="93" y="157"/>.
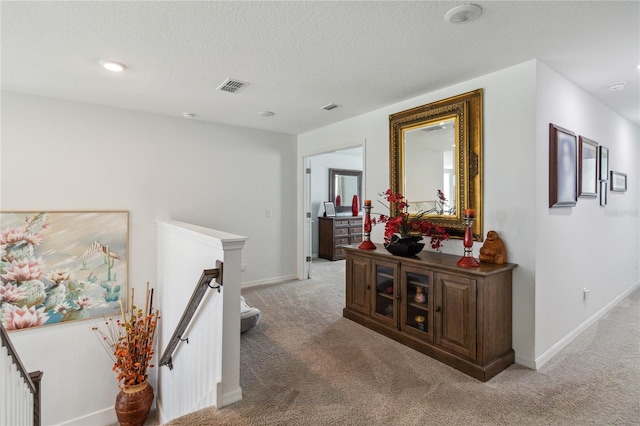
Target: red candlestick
<point x="366" y="243"/>
<point x="467" y="261"/>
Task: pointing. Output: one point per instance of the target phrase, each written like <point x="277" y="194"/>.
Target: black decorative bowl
<point x="406" y="250"/>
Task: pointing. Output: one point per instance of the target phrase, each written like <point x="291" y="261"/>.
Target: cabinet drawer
<point x="357" y="222"/>
<point x="354" y="230"/>
<point x="342" y="241"/>
<point x="342" y="231"/>
<point x="341" y="222"/>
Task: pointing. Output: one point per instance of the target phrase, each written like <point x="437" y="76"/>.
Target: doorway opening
<point x="316" y="192"/>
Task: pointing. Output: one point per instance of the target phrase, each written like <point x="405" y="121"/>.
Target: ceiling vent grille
<point x="330" y="106"/>
<point x="232" y="85"/>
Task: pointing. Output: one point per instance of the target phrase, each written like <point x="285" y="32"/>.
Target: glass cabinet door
<point x="417" y="304"/>
<point x="386" y="296"/>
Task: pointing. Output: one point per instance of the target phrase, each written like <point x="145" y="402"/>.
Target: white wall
<point x="586" y="246"/>
<point x="558" y="251"/>
<point x="58" y="155"/>
<point x="509" y="146"/>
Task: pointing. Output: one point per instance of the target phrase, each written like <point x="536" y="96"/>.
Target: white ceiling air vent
<point x="330" y="106"/>
<point x="232" y="85"/>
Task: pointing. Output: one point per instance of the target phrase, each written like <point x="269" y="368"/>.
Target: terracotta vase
<point x="133" y="404"/>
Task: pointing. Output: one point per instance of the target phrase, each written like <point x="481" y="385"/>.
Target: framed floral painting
<point x="57" y="267"/>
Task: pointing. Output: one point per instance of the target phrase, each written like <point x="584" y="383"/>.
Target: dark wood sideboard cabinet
<point x="459" y="316"/>
<point x="336" y="232"/>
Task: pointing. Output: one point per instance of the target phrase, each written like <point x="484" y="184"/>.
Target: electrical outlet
<point x="243" y="266"/>
<point x="585" y="293"/>
<point x="268" y="213"/>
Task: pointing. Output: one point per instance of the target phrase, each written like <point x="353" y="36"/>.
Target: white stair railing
<point x="201" y="334"/>
<point x="19" y="390"/>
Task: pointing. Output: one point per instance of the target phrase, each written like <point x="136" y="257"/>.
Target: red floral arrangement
<point x="129" y="342"/>
<point x="404" y="228"/>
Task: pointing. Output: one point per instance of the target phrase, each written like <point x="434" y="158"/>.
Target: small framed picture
<point x="618" y="182"/>
<point x="603" y="193"/>
<point x="588" y="166"/>
<point x="563" y="170"/>
<point x="329" y="208"/>
<point x="603" y="165"/>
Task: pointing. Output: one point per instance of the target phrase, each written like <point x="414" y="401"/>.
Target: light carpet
<point x="305" y="364"/>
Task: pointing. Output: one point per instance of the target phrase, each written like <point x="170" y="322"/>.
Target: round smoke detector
<point x="463" y="14"/>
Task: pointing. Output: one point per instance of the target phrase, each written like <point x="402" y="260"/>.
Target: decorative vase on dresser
<point x="355" y="205"/>
<point x="335" y="232"/>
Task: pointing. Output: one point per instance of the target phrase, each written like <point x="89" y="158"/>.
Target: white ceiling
<point x="299" y="56"/>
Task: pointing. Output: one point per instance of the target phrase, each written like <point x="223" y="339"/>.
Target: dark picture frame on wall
<point x="603" y="162"/>
<point x="618" y="182"/>
<point x="588" y="168"/>
<point x="603" y="192"/>
<point x="563" y="170"/>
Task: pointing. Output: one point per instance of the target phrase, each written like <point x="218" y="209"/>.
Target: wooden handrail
<point x="32" y="379"/>
<point x="203" y="283"/>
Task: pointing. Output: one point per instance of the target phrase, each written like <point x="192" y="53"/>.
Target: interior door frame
<point x="305" y="203"/>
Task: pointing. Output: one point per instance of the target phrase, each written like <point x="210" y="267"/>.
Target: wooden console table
<point x="459" y="316"/>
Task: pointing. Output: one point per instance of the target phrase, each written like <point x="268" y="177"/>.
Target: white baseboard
<point x="525" y="362"/>
<point x="231" y="397"/>
<point x="106" y="416"/>
<point x="275" y="280"/>
<point x="545" y="357"/>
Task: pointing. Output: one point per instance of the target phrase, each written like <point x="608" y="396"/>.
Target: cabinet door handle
<point x="438" y="309"/>
<point x="368" y="286"/>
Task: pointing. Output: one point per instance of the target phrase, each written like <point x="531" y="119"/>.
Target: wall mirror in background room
<point x="436" y="160"/>
<point x="343" y="185"/>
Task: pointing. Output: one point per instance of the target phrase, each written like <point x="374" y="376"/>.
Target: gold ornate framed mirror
<point x="435" y="156"/>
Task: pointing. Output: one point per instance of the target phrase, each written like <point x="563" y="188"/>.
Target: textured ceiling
<point x="299" y="56"/>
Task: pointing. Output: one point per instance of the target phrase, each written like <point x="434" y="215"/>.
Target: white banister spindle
<point x="16" y="392"/>
<point x="4" y="372"/>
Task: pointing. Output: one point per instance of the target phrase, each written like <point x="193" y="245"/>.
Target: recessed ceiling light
<point x="617" y="86"/>
<point x="463" y="14"/>
<point x="188" y="115"/>
<point x="113" y="66"/>
<point x="267" y="113"/>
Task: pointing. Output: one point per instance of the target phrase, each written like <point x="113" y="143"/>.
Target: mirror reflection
<point x="343" y="185"/>
<point x="429" y="167"/>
